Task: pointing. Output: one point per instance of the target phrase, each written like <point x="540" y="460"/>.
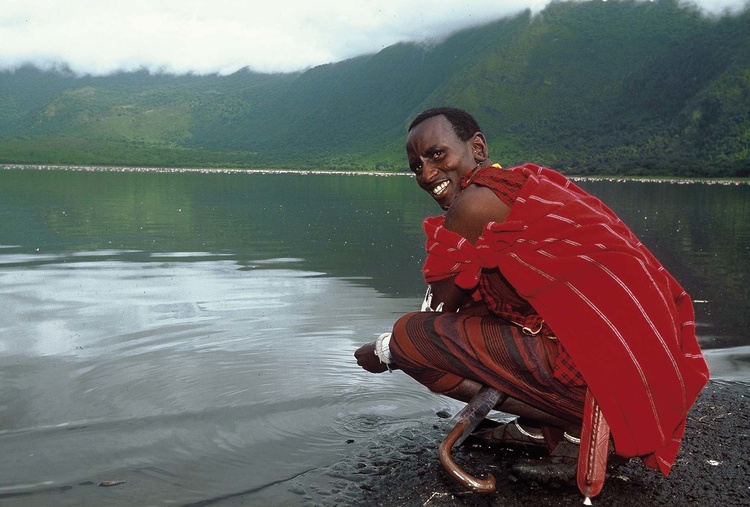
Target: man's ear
<point x="479" y="147"/>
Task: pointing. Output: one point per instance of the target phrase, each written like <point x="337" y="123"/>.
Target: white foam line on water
<point x="203" y="170"/>
<point x="675" y="180"/>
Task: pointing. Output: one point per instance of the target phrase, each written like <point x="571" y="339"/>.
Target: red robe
<point x="625" y="321"/>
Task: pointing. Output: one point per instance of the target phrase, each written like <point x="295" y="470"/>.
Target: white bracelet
<point x="525" y="433"/>
<point x="571" y="438"/>
<point x="382" y="350"/>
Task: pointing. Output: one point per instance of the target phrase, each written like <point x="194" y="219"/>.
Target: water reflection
<point x="185" y="379"/>
<point x="191" y="334"/>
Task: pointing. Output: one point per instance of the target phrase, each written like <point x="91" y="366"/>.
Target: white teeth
<point x="440" y="188"/>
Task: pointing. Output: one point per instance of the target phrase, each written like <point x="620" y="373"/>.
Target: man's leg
<point x="455" y="354"/>
<point x="466" y="390"/>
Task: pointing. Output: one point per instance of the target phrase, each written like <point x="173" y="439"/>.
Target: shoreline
<point x="402" y="468"/>
<point x="678" y="180"/>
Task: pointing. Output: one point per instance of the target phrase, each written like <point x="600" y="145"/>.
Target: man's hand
<point x="367" y="359"/>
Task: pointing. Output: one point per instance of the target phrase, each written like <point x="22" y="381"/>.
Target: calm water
<point x="192" y="334"/>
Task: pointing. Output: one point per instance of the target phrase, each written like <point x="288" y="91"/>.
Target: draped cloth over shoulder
<point x="625" y="321"/>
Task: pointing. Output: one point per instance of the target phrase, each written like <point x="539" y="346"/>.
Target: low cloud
<point x="222" y="36"/>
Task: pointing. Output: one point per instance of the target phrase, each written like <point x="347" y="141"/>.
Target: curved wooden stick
<point x="466" y="480"/>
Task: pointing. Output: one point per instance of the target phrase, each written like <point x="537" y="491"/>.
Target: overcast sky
<point x="207" y="36"/>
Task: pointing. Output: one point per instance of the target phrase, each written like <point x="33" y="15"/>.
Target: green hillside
<point x="598" y="87"/>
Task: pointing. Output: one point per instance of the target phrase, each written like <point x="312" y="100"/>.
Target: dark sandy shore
<point x="402" y="469"/>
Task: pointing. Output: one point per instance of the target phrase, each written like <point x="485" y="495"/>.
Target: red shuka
<point x="625" y="321"/>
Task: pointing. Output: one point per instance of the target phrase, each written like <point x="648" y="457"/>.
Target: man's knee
<point x="401" y="343"/>
<point x="400" y="328"/>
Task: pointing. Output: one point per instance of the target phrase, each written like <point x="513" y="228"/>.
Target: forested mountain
<point x="620" y="87"/>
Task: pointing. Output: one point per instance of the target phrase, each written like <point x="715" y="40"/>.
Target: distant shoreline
<point x="202" y="170"/>
<point x="206" y="170"/>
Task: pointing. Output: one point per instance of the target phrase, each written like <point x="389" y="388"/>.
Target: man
<point x="537" y="289"/>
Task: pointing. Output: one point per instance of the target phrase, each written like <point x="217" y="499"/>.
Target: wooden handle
<point x="463" y="478"/>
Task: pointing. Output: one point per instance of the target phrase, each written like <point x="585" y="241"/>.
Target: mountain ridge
<point x="618" y="87"/>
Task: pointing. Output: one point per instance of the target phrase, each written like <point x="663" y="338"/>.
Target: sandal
<point x="561" y="465"/>
<point x="510" y="435"/>
<point x="556" y="469"/>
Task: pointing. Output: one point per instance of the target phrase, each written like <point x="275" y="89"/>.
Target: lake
<point x="191" y="333"/>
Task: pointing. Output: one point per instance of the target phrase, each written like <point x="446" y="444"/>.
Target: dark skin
<point x="439" y="160"/>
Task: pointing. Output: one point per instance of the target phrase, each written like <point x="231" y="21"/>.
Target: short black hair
<point x="464" y="124"/>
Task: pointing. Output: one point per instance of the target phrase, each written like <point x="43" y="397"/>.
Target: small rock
<point x="109" y="484"/>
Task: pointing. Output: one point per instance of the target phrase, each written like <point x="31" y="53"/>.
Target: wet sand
<point x="403" y="469"/>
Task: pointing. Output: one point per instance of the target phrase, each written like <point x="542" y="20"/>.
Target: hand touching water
<point x="368" y="360"/>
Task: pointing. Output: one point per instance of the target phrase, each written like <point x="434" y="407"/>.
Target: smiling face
<point x="439" y="158"/>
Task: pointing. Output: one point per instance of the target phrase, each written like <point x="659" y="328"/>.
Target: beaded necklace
<point x="466" y="179"/>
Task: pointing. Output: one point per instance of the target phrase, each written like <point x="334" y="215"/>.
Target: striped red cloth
<point x="625" y="321"/>
<point x="441" y="349"/>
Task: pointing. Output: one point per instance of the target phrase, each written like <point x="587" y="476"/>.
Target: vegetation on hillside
<point x="619" y="87"/>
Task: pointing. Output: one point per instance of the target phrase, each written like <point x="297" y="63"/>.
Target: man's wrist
<point x="382" y="349"/>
